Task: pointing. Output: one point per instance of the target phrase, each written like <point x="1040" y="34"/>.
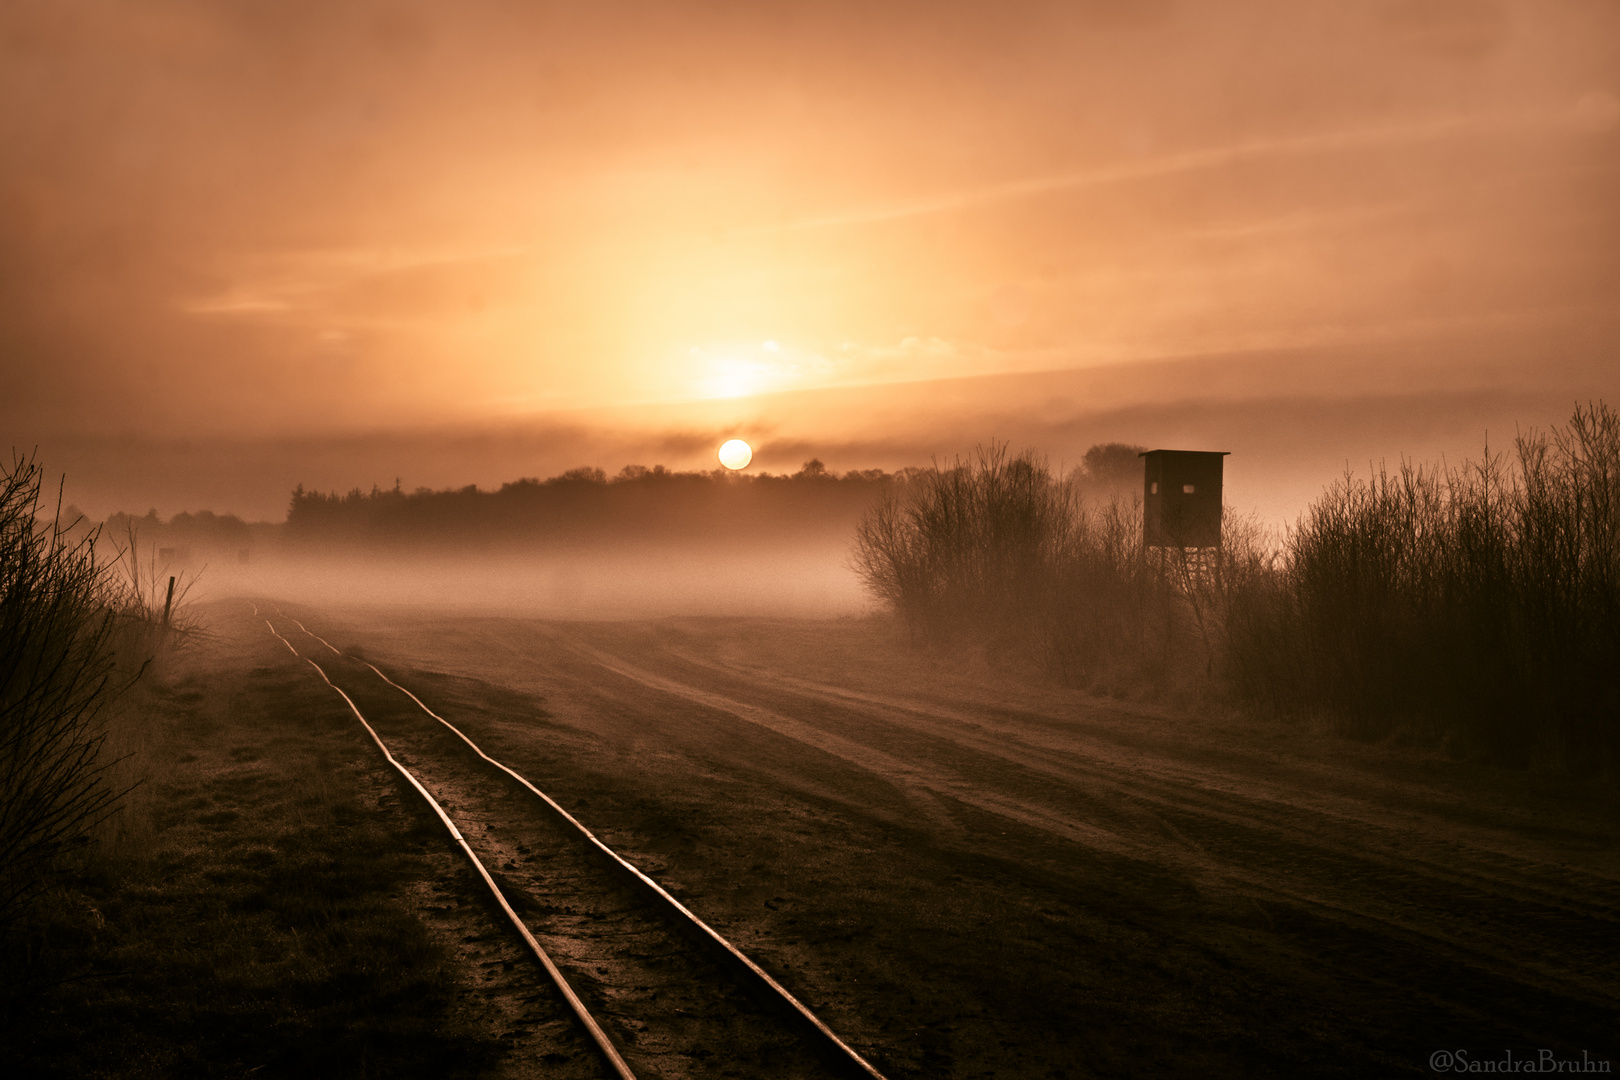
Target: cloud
<point x="1190" y="161"/>
<point x="267" y="219"/>
<point x="325" y="283"/>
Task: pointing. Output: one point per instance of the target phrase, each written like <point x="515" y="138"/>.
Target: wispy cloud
<point x="278" y="282"/>
<point x="238" y="303"/>
<point x="1171" y="164"/>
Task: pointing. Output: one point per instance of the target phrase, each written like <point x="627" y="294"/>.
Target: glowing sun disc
<point x="736" y="454"/>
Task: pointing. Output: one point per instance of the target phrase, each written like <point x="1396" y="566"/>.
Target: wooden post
<point x="168" y="602"/>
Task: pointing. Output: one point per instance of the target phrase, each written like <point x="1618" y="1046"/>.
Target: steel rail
<point x="314" y="635"/>
<point x="284" y="641"/>
<point x="603" y="1043"/>
<point x="804" y="1013"/>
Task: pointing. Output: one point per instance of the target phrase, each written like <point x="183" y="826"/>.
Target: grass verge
<point x="247" y="910"/>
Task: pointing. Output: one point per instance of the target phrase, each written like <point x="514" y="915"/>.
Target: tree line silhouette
<point x="586" y="506"/>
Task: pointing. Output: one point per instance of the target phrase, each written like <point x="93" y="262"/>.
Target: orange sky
<point x="251" y="244"/>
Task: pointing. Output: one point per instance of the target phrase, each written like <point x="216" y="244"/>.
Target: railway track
<point x="659" y="991"/>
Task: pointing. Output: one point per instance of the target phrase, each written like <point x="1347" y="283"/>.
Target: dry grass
<point x="245" y="910"/>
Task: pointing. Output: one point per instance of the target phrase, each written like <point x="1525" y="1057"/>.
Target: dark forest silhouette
<point x="584" y="507"/>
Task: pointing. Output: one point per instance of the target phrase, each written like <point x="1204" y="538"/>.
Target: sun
<point x="736" y="454"/>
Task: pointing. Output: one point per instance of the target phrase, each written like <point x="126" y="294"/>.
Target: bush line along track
<point x="832" y="1048"/>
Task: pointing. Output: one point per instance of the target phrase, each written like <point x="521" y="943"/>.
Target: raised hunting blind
<point x="1181" y="498"/>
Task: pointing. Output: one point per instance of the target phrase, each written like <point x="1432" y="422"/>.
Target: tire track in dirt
<point x="1413" y="898"/>
<point x="920" y="781"/>
<point x="1340" y="885"/>
<point x="1176" y="785"/>
<point x="1397" y="909"/>
<point x="1158" y="787"/>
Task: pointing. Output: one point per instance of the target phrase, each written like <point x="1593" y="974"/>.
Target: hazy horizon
<point x="252" y="246"/>
<point x="1288" y="437"/>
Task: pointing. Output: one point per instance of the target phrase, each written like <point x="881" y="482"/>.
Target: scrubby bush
<point x="969" y="549"/>
<point x="1111" y="612"/>
<point x="997" y="551"/>
<point x="1478" y="604"/>
<point x="60" y="630"/>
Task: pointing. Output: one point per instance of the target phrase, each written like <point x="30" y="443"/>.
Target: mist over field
<point x="650" y="542"/>
<point x="611" y="581"/>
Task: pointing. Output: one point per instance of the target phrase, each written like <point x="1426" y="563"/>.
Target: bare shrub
<point x="72" y="635"/>
<point x="1108" y="614"/>
<point x="995" y="550"/>
<point x="1476" y="605"/>
<point x="970" y="549"/>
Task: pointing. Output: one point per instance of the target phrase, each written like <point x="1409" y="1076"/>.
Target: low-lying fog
<point x="809" y="580"/>
<point x="646" y="542"/>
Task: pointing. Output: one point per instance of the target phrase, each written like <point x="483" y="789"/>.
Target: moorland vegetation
<point x="1475" y="606"/>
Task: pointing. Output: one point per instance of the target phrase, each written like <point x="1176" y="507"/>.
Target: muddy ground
<point x="970" y="874"/>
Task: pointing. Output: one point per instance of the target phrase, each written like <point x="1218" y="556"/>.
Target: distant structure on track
<point x="1181" y="498"/>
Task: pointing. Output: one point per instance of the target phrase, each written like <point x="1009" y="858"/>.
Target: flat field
<point x="968" y="873"/>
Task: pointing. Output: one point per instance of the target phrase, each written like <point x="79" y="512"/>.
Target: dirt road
<point x="970" y="875"/>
